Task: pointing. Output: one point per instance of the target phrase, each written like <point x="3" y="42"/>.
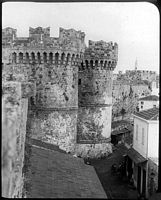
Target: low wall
<point x="14" y="117"/>
<point x="152" y="177"/>
<point x="56" y="127"/>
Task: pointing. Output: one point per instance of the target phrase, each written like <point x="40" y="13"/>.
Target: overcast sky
<point x="134" y="26"/>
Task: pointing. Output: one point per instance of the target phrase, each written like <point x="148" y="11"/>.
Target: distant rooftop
<point x="150" y="114"/>
<point x="150" y="98"/>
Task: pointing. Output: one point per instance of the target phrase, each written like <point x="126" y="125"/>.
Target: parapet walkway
<point x="54" y="174"/>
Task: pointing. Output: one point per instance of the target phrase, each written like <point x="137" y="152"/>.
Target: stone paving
<point x="114" y="186"/>
<point x="53" y="174"/>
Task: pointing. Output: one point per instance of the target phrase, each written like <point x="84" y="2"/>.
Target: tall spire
<point x="136" y="64"/>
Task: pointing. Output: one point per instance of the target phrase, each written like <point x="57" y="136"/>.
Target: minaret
<point x="41" y="41"/>
<point x="136" y="64"/>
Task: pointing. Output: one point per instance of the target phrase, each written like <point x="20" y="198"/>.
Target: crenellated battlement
<point x="103" y="64"/>
<point x="43" y="56"/>
<point x="37" y="32"/>
<point x="101" y="55"/>
<point x="64" y="93"/>
<point x="69" y="47"/>
<point x="39" y="38"/>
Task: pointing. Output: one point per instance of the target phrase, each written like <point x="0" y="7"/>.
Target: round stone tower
<point x="52" y="64"/>
<point x="57" y="89"/>
<point x="95" y="98"/>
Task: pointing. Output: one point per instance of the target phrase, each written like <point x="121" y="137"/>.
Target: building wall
<point x="54" y="116"/>
<point x="14" y="117"/>
<point x="137" y="144"/>
<point x="95" y="104"/>
<point x="55" y="127"/>
<point x="147" y="104"/>
<point x="142" y="74"/>
<point x="153" y="139"/>
<point x="152" y="177"/>
<point x="125" y="95"/>
<point x="52" y="65"/>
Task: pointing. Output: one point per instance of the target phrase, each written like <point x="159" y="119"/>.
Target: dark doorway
<point x="139" y="180"/>
<point x="129" y="168"/>
<point x="144" y="183"/>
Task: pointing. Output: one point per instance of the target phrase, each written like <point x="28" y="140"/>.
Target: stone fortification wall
<point x="14" y="117"/>
<point x="57" y="67"/>
<point x="152" y="176"/>
<point x="95" y="98"/>
<point x="56" y="127"/>
<point x="125" y="95"/>
<point x="53" y="110"/>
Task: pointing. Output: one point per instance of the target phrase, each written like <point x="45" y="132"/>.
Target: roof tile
<point x="150" y="114"/>
<point x="150" y="98"/>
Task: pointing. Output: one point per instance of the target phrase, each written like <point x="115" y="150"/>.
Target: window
<point x="154" y="106"/>
<point x="141" y="107"/>
<point x="142" y="102"/>
<point x="79" y="81"/>
<point x="142" y="136"/>
<point x="136" y="132"/>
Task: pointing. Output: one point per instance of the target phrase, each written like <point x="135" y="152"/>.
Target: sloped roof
<point x="135" y="156"/>
<point x="119" y="123"/>
<point x="150" y="114"/>
<point x="150" y="98"/>
<point x="54" y="174"/>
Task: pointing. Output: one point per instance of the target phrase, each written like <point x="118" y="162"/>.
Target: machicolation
<point x="68" y="87"/>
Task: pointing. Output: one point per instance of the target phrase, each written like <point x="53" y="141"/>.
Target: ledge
<point x="54" y="109"/>
<point x="107" y="140"/>
<point x="94" y="105"/>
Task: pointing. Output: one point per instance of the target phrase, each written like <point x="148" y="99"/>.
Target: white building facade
<point x="148" y="102"/>
<point x="145" y="147"/>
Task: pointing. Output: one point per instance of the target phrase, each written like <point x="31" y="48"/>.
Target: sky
<point x="133" y="25"/>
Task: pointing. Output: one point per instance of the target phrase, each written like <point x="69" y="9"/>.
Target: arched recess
<point x="33" y="57"/>
<point x="20" y="57"/>
<point x="77" y="58"/>
<point x="27" y="57"/>
<point x="45" y="57"/>
<point x="91" y="63"/>
<point x="101" y="63"/>
<point x="96" y="63"/>
<point x="62" y="57"/>
<point x="50" y="57"/>
<point x="86" y="63"/>
<point x="68" y="58"/>
<point x="38" y="58"/>
<point x="109" y="64"/>
<point x="14" y="57"/>
<point x="73" y="58"/>
<point x="105" y="65"/>
<point x="56" y="58"/>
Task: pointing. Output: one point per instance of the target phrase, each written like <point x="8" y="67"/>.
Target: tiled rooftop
<point x="150" y="98"/>
<point x="119" y="123"/>
<point x="150" y="114"/>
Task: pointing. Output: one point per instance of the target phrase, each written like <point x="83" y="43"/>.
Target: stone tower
<point x="52" y="65"/>
<point x="54" y="114"/>
<point x="71" y="102"/>
<point x="95" y="96"/>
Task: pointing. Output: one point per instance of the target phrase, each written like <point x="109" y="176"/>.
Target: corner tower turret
<point x="95" y="93"/>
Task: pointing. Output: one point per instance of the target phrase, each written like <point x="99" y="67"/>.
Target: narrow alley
<point x="114" y="186"/>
